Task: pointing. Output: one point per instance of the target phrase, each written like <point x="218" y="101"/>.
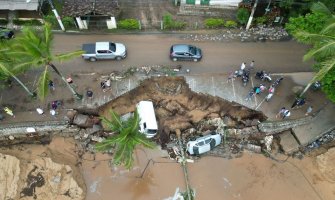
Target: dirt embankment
<point x="41" y="172"/>
<point x="178" y="107"/>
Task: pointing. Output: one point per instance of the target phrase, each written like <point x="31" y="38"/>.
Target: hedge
<point x="230" y="24"/>
<point x="32" y="22"/>
<point x="214" y="23"/>
<point x="128" y="24"/>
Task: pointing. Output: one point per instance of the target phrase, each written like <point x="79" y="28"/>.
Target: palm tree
<point x="36" y="50"/>
<point x="323" y="46"/>
<point x="126" y="138"/>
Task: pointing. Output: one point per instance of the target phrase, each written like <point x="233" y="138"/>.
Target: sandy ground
<point x="251" y="176"/>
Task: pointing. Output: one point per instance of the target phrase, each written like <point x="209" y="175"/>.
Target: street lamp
<point x="56" y="14"/>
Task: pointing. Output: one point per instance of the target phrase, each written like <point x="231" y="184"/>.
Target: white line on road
<point x="128" y="84"/>
<point x="232" y="83"/>
<point x="260" y="104"/>
<point x="252" y="85"/>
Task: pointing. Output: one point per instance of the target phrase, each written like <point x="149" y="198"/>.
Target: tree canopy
<point x="127" y="137"/>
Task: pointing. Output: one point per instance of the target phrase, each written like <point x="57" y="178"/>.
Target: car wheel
<point x="212" y="144"/>
<point x="118" y="58"/>
<point x="93" y="59"/>
<point x="195" y="60"/>
<point x="174" y="59"/>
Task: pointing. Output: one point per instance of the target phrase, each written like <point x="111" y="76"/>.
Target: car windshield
<point x="193" y="50"/>
<point x="112" y="47"/>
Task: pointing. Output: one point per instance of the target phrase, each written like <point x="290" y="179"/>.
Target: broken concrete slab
<point x="288" y="142"/>
<point x="322" y="123"/>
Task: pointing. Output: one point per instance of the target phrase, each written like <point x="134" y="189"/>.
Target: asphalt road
<point x="153" y="49"/>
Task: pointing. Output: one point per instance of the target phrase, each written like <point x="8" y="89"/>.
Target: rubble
<point x="259" y="33"/>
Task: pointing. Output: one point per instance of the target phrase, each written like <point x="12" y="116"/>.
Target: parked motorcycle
<point x="245" y="80"/>
<point x="245" y="77"/>
<point x="262" y="75"/>
<point x="316" y="86"/>
<point x="277" y="82"/>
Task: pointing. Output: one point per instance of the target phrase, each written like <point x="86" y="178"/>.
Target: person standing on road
<point x="243" y="66"/>
<point x="286" y="113"/>
<point x="309" y="110"/>
<point x="252" y="64"/>
<point x="281" y="111"/>
<point x="51" y="85"/>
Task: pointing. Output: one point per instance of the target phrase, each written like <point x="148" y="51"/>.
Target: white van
<point x="148" y="122"/>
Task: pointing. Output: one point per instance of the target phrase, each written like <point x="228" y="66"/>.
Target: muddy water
<point x="252" y="176"/>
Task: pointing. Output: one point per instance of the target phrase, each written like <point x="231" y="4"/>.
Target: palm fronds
<point x="125" y="140"/>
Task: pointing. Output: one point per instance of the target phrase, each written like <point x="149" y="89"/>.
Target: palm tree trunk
<point x="251" y="15"/>
<point x="75" y="94"/>
<point x="32" y="94"/>
<point x="183" y="163"/>
<point x="3" y="68"/>
<point x="305" y="89"/>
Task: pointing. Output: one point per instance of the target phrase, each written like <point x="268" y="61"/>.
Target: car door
<point x="187" y="56"/>
<point x="102" y="54"/>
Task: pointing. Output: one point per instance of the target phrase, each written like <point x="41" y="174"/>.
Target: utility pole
<point x="55" y="13"/>
<point x="251" y="15"/>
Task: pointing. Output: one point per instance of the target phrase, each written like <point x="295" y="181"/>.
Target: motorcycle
<point x="262" y="75"/>
<point x="245" y="80"/>
<point x="277" y="82"/>
<point x="245" y="77"/>
<point x="316" y="86"/>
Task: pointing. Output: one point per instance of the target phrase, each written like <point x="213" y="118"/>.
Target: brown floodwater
<point x="251" y="177"/>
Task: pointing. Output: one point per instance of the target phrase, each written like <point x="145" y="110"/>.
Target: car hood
<point x="120" y="49"/>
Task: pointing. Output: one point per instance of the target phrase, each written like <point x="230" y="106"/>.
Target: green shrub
<point x="261" y="20"/>
<point x="169" y="23"/>
<point x="3" y="21"/>
<point x="51" y="19"/>
<point x="128" y="24"/>
<point x="242" y="15"/>
<point x="68" y="22"/>
<point x="32" y="22"/>
<point x="230" y="24"/>
<point x="214" y="23"/>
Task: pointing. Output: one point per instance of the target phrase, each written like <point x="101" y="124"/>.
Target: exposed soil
<point x="178" y="107"/>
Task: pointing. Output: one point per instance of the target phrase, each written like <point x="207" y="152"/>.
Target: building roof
<point x="76" y="8"/>
<point x="19" y="5"/>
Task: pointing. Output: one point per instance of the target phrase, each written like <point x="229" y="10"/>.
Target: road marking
<point x="232" y="83"/>
<point x="260" y="103"/>
<point x="252" y="85"/>
<point x="128" y="84"/>
<point x="213" y="86"/>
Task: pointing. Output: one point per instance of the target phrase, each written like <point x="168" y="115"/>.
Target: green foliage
<point x="43" y="84"/>
<point x="328" y="84"/>
<point x="3" y="21"/>
<point x="286" y="4"/>
<point x="128" y="24"/>
<point x="32" y="22"/>
<point x="312" y="22"/>
<point x="261" y="20"/>
<point x="125" y="140"/>
<point x="51" y="19"/>
<point x="33" y="49"/>
<point x="171" y="24"/>
<point x="242" y="15"/>
<point x="230" y="24"/>
<point x="68" y="22"/>
<point x="214" y="23"/>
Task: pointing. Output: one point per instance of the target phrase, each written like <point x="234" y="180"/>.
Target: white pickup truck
<point x="104" y="50"/>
